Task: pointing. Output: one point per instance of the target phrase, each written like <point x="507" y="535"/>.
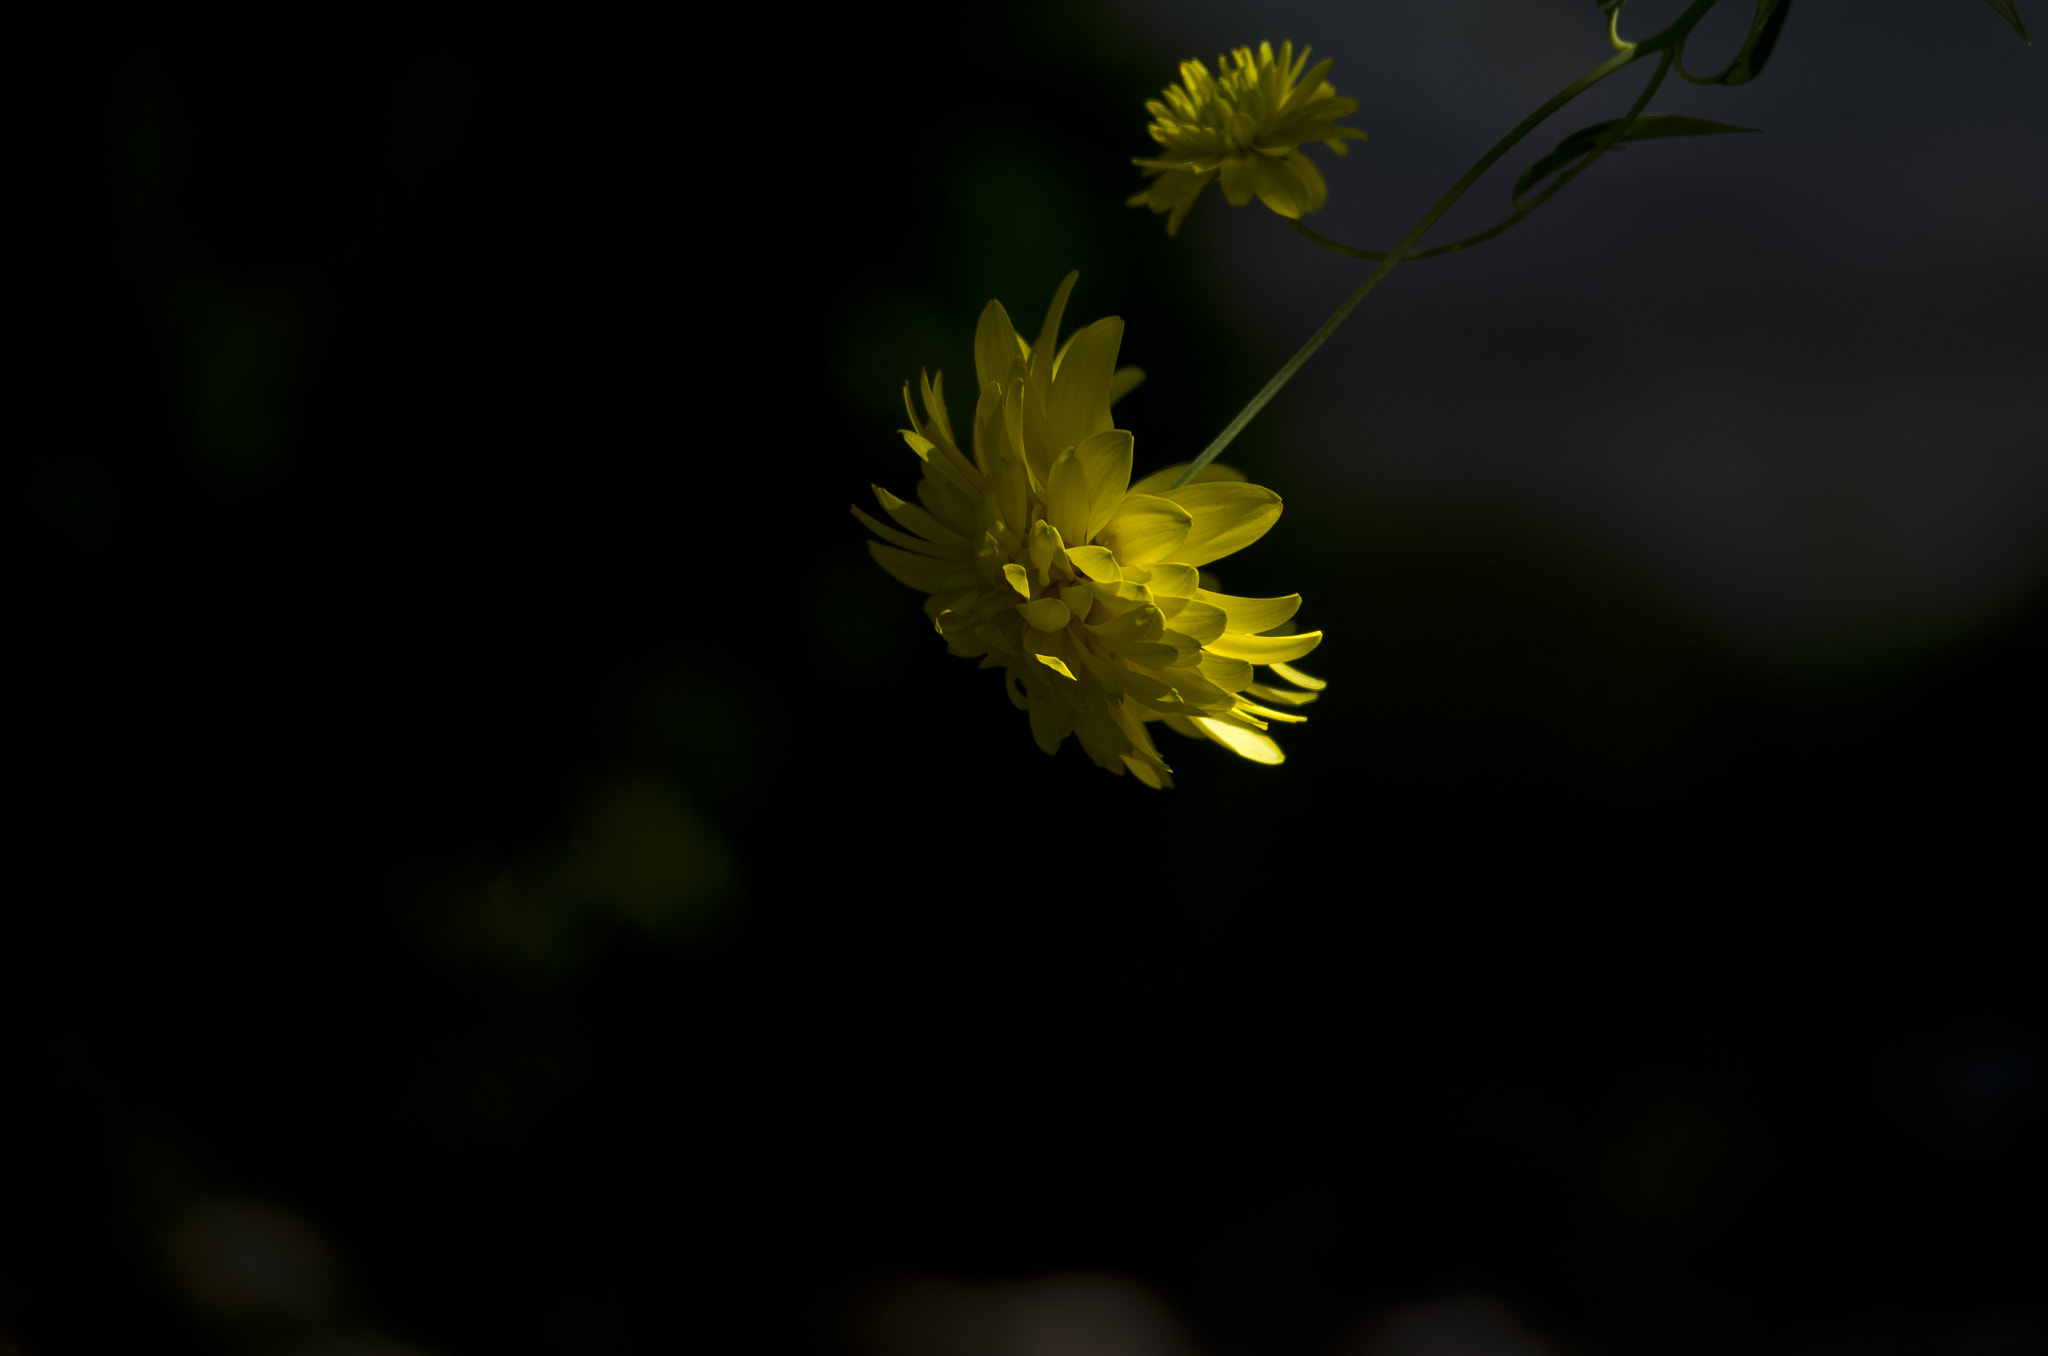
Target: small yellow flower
<point x="1042" y="558"/>
<point x="1246" y="126"/>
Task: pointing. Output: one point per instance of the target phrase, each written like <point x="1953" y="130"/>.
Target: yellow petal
<point x="1148" y="772"/>
<point x="944" y="461"/>
<point x="1280" y="188"/>
<point x="1105" y="462"/>
<point x="1260" y="748"/>
<point x="1265" y="692"/>
<point x="1110" y="676"/>
<point x="944" y="501"/>
<point x="1196" y="620"/>
<point x="1124" y="382"/>
<point x="934" y="392"/>
<point x="1154" y="692"/>
<point x="1117" y="599"/>
<point x="920" y="572"/>
<point x="1095" y="562"/>
<point x="922" y="523"/>
<point x="1079" y="404"/>
<point x="1046" y="547"/>
<point x="1240" y="179"/>
<point x="1157" y="482"/>
<point x="1007" y="492"/>
<point x="1195" y="690"/>
<point x="1169" y="580"/>
<point x="1138" y="624"/>
<point x="1226" y="517"/>
<point x="1057" y="665"/>
<point x="1265" y="649"/>
<point x="1067" y="498"/>
<point x="1047" y="614"/>
<point x="902" y="539"/>
<point x="1147" y="527"/>
<point x="995" y="346"/>
<point x="1251" y="615"/>
<point x="1020" y="580"/>
<point x="1232" y="675"/>
<point x="1051" y="721"/>
<point x="1298" y="678"/>
<point x="1044" y="352"/>
<point x="1268" y="713"/>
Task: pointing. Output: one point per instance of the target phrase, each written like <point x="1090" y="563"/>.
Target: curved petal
<point x="1259" y="748"/>
<point x="995" y="346"/>
<point x="1298" y="678"/>
<point x="1240" y="179"/>
<point x="1312" y="180"/>
<point x="1066" y="498"/>
<point x="1079" y="403"/>
<point x="1046" y="614"/>
<point x="1228" y="516"/>
<point x="920" y="572"/>
<point x="1146" y="528"/>
<point x="1281" y="187"/>
<point x="1265" y="649"/>
<point x="1046" y="349"/>
<point x="1105" y="462"/>
<point x="1157" y="482"/>
<point x="1249" y="616"/>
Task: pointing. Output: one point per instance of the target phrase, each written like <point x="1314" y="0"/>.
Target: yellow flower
<point x="1246" y="126"/>
<point x="1042" y="558"/>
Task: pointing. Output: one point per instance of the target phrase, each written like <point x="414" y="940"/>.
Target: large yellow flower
<point x="1246" y="126"/>
<point x="1042" y="558"/>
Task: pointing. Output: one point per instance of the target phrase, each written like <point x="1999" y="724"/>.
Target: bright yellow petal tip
<point x="1042" y="558"/>
<point x="1244" y="126"/>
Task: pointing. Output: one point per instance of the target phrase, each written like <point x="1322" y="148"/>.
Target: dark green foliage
<point x="1645" y="128"/>
<point x="2009" y="10"/>
<point x="1763" y="38"/>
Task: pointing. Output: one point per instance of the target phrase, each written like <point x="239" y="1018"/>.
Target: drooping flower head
<point x="1245" y="125"/>
<point x="1042" y="558"/>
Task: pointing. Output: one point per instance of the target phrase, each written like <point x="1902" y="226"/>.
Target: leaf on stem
<point x="1646" y="128"/>
<point x="1763" y="39"/>
<point x="2009" y="10"/>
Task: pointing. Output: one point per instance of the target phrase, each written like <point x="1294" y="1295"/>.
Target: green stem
<point x="1662" y="42"/>
<point x="1434" y="252"/>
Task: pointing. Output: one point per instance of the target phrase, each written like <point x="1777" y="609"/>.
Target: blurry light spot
<point x="1078" y="1315"/>
<point x="244" y="1259"/>
<point x="1476" y="1325"/>
<point x="637" y="857"/>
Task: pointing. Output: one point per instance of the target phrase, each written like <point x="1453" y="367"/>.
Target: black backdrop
<point x="500" y="869"/>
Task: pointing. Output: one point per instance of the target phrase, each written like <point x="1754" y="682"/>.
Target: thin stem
<point x="1433" y="252"/>
<point x="1415" y="233"/>
<point x="1621" y="44"/>
<point x="1438" y="251"/>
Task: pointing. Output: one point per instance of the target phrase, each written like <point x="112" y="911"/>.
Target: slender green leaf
<point x="1648" y="127"/>
<point x="2009" y="10"/>
<point x="1763" y="38"/>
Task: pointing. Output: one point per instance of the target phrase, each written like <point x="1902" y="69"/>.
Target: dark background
<point x="501" y="871"/>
